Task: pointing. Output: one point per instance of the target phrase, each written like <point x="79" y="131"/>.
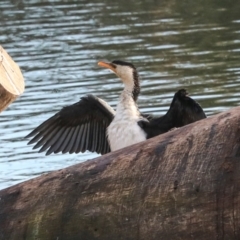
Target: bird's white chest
<point x="124" y="133"/>
<point x="124" y="130"/>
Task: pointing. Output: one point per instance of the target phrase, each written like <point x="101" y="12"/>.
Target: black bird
<point x="91" y="124"/>
<point x="183" y="110"/>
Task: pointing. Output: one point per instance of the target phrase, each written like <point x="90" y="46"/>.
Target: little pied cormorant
<point x="91" y="124"/>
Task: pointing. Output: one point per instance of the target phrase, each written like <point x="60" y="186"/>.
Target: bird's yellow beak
<point x="110" y="66"/>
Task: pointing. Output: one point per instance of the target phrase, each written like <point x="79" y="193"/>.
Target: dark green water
<point x="174" y="44"/>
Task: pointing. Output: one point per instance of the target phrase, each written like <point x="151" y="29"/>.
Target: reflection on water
<point x="57" y="44"/>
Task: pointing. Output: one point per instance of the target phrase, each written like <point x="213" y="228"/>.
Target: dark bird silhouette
<point x="92" y="124"/>
<point x="183" y="110"/>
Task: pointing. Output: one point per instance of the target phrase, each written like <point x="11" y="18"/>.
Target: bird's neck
<point x="131" y="87"/>
<point x="127" y="107"/>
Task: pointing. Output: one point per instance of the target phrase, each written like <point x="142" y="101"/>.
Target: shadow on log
<point x="184" y="184"/>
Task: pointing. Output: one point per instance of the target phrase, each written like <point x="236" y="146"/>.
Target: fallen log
<point x="11" y="80"/>
<point x="184" y="184"/>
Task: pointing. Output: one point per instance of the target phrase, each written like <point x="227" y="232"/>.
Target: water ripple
<point x="57" y="45"/>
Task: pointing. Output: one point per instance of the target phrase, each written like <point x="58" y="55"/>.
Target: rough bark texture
<point x="184" y="184"/>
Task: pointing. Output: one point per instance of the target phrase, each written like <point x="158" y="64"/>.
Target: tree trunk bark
<point x="184" y="184"/>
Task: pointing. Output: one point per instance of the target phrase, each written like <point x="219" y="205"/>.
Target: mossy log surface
<point x="184" y="184"/>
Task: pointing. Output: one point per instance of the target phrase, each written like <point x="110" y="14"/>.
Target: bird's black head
<point x="122" y="63"/>
<point x="135" y="77"/>
<point x="181" y="93"/>
<point x="179" y="97"/>
<point x="127" y="72"/>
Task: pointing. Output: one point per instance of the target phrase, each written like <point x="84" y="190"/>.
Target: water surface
<point x="57" y="44"/>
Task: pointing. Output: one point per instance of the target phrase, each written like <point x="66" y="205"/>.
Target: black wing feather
<point x="75" y="128"/>
<point x="73" y="140"/>
<point x="58" y="142"/>
<point x="183" y="110"/>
